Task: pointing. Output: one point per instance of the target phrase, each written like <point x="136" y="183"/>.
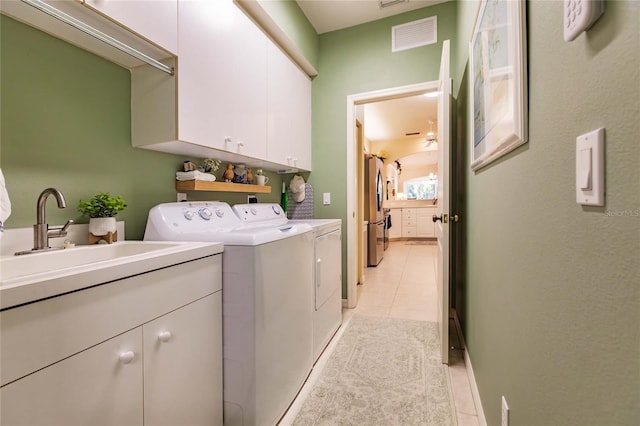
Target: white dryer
<point x="267" y="323"/>
<point x="327" y="281"/>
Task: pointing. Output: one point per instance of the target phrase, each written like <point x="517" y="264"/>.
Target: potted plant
<point x="102" y="209"/>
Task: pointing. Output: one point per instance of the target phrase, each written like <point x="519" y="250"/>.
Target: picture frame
<point x="497" y="81"/>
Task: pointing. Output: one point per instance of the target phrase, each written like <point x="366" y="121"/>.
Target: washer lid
<point x="320" y="226"/>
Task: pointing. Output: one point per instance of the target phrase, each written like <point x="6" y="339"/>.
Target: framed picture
<point x="497" y="81"/>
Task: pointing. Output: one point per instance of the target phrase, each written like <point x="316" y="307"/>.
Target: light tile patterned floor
<point x="403" y="285"/>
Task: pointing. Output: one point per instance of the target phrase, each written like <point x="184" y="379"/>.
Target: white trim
<point x="352" y="167"/>
<point x="482" y="421"/>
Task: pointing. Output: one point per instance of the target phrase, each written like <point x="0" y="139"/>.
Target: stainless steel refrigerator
<point x="373" y="212"/>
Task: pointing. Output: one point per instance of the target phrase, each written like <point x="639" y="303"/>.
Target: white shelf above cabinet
<point x="156" y="21"/>
<point x="125" y="34"/>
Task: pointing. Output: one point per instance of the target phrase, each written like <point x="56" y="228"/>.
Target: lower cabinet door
<point x="183" y="365"/>
<point x="101" y="385"/>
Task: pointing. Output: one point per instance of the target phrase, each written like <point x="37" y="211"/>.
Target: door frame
<point x="353" y="226"/>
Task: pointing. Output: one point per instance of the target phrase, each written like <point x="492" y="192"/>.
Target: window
<point x="422" y="188"/>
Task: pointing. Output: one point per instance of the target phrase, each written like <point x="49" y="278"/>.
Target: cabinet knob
<point x="127" y="357"/>
<point x="164" y="336"/>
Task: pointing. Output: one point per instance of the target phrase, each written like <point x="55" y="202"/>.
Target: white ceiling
<point x="393" y="119"/>
<point x="331" y="15"/>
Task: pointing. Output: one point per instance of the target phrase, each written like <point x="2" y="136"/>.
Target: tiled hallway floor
<point x="403" y="285"/>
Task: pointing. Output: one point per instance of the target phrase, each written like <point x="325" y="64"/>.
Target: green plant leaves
<point x="102" y="205"/>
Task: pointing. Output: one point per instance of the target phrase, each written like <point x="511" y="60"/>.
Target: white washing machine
<point x="327" y="281"/>
<point x="267" y="323"/>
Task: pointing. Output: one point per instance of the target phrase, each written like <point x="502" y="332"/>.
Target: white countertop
<point x="406" y="204"/>
<point x="32" y="277"/>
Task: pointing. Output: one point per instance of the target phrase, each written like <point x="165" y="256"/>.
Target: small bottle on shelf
<point x="284" y="200"/>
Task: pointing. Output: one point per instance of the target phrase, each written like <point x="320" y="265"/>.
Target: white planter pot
<point x="100" y="226"/>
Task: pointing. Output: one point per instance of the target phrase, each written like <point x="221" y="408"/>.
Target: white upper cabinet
<point x="289" y="123"/>
<point x="222" y="89"/>
<point x="157" y="21"/>
<point x="236" y="97"/>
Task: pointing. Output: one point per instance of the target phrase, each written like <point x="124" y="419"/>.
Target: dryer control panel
<point x="260" y="212"/>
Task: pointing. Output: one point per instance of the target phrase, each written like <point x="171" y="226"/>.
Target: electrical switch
<point x="585" y="169"/>
<point x="590" y="168"/>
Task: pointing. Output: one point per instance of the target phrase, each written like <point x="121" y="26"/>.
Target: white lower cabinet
<point x="409" y="223"/>
<point x="183" y="366"/>
<point x="425" y="227"/>
<point x="396" y="224"/>
<point x="144" y="350"/>
<point x="93" y="387"/>
<point x="417" y="222"/>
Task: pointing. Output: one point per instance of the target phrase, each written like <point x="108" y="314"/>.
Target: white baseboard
<point x="472" y="378"/>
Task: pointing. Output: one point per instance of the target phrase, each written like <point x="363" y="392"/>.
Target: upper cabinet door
<point x="289" y="107"/>
<point x="221" y="78"/>
<point x="157" y="21"/>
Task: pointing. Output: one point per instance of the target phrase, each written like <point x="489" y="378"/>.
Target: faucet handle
<point x="60" y="231"/>
<point x="67" y="225"/>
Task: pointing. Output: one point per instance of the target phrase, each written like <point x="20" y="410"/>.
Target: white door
<point x="442" y="225"/>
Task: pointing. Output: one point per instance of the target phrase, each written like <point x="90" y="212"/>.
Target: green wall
<point x="291" y="19"/>
<point x="66" y="122"/>
<point x="356" y="60"/>
<point x="552" y="288"/>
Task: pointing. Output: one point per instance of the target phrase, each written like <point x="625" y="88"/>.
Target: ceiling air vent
<point x="414" y="34"/>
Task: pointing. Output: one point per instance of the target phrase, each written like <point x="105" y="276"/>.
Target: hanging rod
<point x="70" y="20"/>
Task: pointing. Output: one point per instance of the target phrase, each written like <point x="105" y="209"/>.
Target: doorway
<point x="355" y="216"/>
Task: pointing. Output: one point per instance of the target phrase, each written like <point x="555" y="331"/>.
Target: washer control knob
<point x="253" y="211"/>
<point x="219" y="212"/>
<point x="276" y="209"/>
<point x="205" y="213"/>
<point x="188" y="214"/>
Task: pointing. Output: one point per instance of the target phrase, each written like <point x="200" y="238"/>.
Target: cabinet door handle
<point x="318" y="268"/>
<point x="126" y="357"/>
<point x="164" y="336"/>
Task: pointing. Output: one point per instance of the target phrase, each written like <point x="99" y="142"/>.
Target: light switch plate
<point x="326" y="198"/>
<point x="505" y="412"/>
<point x="590" y="168"/>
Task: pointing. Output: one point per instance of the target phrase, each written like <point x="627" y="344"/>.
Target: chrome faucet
<point x="41" y="230"/>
